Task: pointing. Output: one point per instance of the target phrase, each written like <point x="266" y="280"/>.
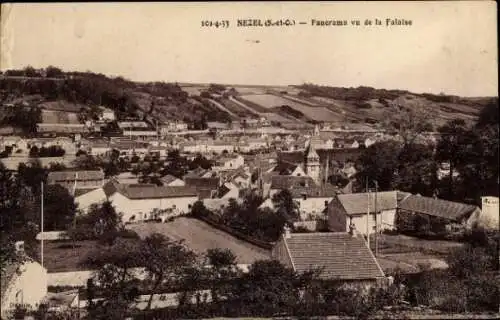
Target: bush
<point x="128" y="234"/>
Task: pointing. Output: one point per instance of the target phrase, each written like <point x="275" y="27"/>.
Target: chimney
<point x="19" y="245"/>
<point x="352" y="229"/>
<point x="287" y="233"/>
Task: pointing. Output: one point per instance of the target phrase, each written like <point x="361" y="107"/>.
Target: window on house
<point x="304" y="196"/>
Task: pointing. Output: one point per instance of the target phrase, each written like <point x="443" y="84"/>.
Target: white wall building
<point x="489" y="212"/>
<point x="137" y="202"/>
<point x="22" y="284"/>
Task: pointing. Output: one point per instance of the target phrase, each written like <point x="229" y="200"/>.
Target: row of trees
<point x="247" y="218"/>
<point x="29" y="71"/>
<point x="174" y="164"/>
<point x="412" y="166"/>
<point x="51" y="151"/>
<point x="212" y="285"/>
<point x="20" y="213"/>
<point x="267" y="289"/>
<point x="22" y="117"/>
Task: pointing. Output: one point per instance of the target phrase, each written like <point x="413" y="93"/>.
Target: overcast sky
<point x="451" y="47"/>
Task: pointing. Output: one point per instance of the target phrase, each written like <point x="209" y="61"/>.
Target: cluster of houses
<point x="340" y="249"/>
<point x="300" y="164"/>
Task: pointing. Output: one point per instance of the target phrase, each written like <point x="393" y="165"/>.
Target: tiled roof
<point x="357" y="203"/>
<point x="202" y="183"/>
<point x="196" y="173"/>
<point x="139" y="191"/>
<point x="339" y="254"/>
<point x="297" y="157"/>
<point x="55" y="176"/>
<point x="284" y="168"/>
<point x="168" y="179"/>
<point x="80" y="192"/>
<point x="315" y="192"/>
<point x="290" y="182"/>
<point x="436" y="207"/>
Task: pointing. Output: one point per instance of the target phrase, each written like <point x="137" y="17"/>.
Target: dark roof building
<point x="290" y="182"/>
<point x="449" y="210"/>
<point x="339" y="255"/>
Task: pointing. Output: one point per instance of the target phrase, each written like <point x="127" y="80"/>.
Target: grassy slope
<point x="323" y="103"/>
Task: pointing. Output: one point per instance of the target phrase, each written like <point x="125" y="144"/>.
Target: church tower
<point x="313" y="164"/>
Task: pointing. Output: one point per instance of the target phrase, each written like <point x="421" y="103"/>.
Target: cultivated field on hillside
<point x="200" y="236"/>
<point x="52" y="116"/>
<point x="62" y="105"/>
<point x="267" y="101"/>
<point x="307" y="102"/>
<point x="237" y="109"/>
<point x="271" y="101"/>
<point x="274" y="117"/>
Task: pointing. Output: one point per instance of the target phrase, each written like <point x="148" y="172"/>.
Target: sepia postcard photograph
<point x="249" y="160"/>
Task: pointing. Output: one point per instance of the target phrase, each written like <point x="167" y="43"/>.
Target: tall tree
<point x="267" y="288"/>
<point x="59" y="208"/>
<point x="379" y="162"/>
<point x="286" y="206"/>
<point x="223" y="270"/>
<point x="454" y="135"/>
<point x="115" y="279"/>
<point x="409" y="122"/>
<point x="165" y="262"/>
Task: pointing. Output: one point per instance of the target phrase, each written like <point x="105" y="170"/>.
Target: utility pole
<point x="327" y="168"/>
<point x="368" y="215"/>
<point x="41" y="223"/>
<point x="376" y="225"/>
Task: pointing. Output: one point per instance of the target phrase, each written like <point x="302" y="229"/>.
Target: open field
<point x="389" y="242"/>
<point x="200" y="236"/>
<point x="408" y="253"/>
<point x="59" y="256"/>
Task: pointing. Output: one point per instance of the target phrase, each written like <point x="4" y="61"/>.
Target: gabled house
<point x="288" y="169"/>
<point x="490" y="212"/>
<point x="343" y="257"/>
<point x="106" y="114"/>
<point x="229" y="162"/>
<point x="84" y="179"/>
<point x="171" y="181"/>
<point x="346" y="209"/>
<point x="206" y="186"/>
<point x="85" y="198"/>
<point x="454" y="215"/>
<point x="278" y="183"/>
<point x="312" y="202"/>
<point x="352" y="208"/>
<point x="127" y="177"/>
<point x="22" y="284"/>
<point x="139" y="202"/>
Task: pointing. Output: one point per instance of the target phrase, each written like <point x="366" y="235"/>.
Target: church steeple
<point x="312" y="163"/>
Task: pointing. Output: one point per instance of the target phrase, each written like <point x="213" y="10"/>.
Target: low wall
<point x="79" y="278"/>
<point x="237" y="234"/>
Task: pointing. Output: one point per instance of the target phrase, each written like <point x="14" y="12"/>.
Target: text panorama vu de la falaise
<point x="285" y="22"/>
